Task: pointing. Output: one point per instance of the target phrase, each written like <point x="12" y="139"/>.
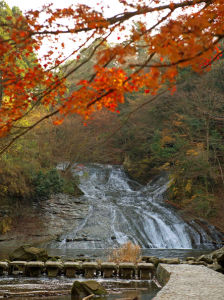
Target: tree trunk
<point x="1" y="89"/>
<point x="207" y="150"/>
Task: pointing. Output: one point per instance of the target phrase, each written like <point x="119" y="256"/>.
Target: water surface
<point x="116" y="288"/>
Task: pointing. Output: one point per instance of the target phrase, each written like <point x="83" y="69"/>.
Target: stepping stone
<point x="53" y="268"/>
<point x="34" y="268"/>
<point x="127" y="270"/>
<point x="145" y="271"/>
<point x="90" y="269"/>
<point x="71" y="268"/>
<point x="17" y="267"/>
<point x="109" y="269"/>
<point x="3" y="267"/>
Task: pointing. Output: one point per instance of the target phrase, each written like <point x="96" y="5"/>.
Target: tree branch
<point x="27" y="130"/>
<point x="124" y="17"/>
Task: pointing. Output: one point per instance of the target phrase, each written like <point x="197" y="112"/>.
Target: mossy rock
<point x="170" y="261"/>
<point x="94" y="287"/>
<point x="77" y="192"/>
<point x="29" y="253"/>
<point x="151" y="259"/>
<point x="216" y="267"/>
<point x="205" y="258"/>
<point x="54" y="258"/>
<point x="86" y="288"/>
<point x="141" y="170"/>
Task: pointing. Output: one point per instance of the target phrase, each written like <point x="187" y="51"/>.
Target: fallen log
<point x="36" y="293"/>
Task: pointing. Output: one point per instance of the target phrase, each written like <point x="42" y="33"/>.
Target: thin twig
<point x="88" y="297"/>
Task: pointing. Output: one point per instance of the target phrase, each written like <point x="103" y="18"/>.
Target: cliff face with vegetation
<point x="181" y="134"/>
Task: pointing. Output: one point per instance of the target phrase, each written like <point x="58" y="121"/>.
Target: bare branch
<point x="27" y="130"/>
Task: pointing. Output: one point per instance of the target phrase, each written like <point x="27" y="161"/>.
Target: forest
<point x="172" y="127"/>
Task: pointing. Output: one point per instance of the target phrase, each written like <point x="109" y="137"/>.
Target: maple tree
<point x="185" y="33"/>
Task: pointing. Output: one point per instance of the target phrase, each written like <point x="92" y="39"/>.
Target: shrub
<point x="47" y="183"/>
<point x="128" y="252"/>
<point x="5" y="225"/>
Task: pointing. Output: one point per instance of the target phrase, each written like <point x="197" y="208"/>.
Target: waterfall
<point x="121" y="209"/>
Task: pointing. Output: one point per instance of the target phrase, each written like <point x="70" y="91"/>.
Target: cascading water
<point x="120" y="209"/>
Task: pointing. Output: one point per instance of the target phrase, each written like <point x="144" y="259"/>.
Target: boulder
<point x="190" y="258"/>
<point x="151" y="259"/>
<point x="219" y="256"/>
<point x="86" y="288"/>
<point x="205" y="258"/>
<point x="216" y="267"/>
<point x="170" y="261"/>
<point x="199" y="263"/>
<point x="220" y="260"/>
<point x="29" y="253"/>
<point x="140" y="170"/>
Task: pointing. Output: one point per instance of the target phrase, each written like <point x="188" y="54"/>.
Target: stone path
<point x="189" y="282"/>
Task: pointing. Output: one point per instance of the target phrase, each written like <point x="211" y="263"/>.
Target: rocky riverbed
<point x="15" y="284"/>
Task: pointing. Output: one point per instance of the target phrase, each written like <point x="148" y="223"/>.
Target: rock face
<point x="42" y="221"/>
<point x="141" y="171"/>
<point x="86" y="288"/>
<point x="29" y="253"/>
<point x="214" y="260"/>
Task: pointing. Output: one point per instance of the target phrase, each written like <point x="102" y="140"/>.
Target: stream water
<point x="59" y="288"/>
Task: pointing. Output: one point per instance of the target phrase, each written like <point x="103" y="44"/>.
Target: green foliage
<point x="164" y="151"/>
<point x="27" y="170"/>
<point x="47" y="183"/>
<point x="70" y="186"/>
<point x="203" y="204"/>
<point x="5" y="12"/>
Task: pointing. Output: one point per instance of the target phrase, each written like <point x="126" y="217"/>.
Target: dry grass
<point x="128" y="252"/>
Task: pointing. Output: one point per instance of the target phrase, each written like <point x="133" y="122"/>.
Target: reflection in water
<point x="103" y="254"/>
